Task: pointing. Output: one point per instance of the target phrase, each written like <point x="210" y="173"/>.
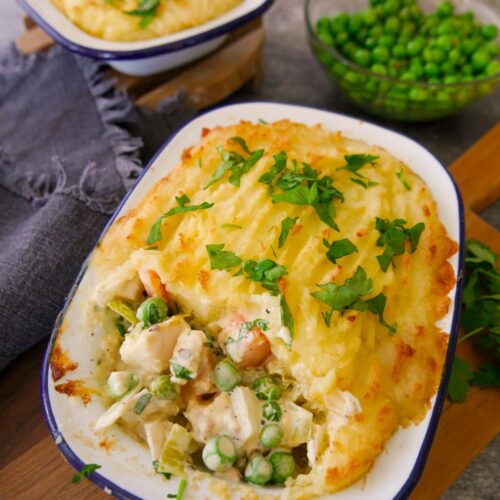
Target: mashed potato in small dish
<point x="270" y="309"/>
<point x="133" y="20"/>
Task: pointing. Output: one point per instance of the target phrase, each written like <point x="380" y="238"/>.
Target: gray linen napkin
<point x="66" y="160"/>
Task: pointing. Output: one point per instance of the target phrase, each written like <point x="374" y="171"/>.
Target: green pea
<point x="226" y="376"/>
<point x="480" y="60"/>
<point x="353" y="77"/>
<point x="392" y="25"/>
<point x="488" y="31"/>
<point x="448" y="68"/>
<point x="409" y="76"/>
<point x="454" y="56"/>
<point x="283" y="465"/>
<point x="152" y="311"/>
<point x="323" y="24"/>
<point x="493" y="48"/>
<point x="493" y="68"/>
<point x="449" y="79"/>
<point x="271" y="411"/>
<point x="372" y="87"/>
<point x="354" y="23"/>
<point x="339" y="22"/>
<point x="386" y="41"/>
<point x="271" y="435"/>
<point x="258" y="470"/>
<point x="379" y="68"/>
<point x="219" y="454"/>
<point x="415" y="46"/>
<point x="341" y="37"/>
<point x="399" y="52"/>
<point x="445" y="42"/>
<point x="391" y="7"/>
<point x="418" y="94"/>
<point x="376" y="30"/>
<point x="369" y="17"/>
<point x="163" y="388"/>
<point x="362" y="57"/>
<point x="433" y="80"/>
<point x="326" y="37"/>
<point x="467" y="69"/>
<point x="380" y="54"/>
<point x="468" y="46"/>
<point x="468" y="15"/>
<point x="371" y="42"/>
<point x="267" y="388"/>
<point x="445" y="9"/>
<point x="407" y="30"/>
<point x="431" y="69"/>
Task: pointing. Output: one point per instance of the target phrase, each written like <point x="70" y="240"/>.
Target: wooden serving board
<point x="206" y="81"/>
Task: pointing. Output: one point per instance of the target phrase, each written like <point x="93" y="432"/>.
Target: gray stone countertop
<point x="291" y="75"/>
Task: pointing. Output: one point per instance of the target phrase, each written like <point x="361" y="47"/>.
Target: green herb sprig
<point x="235" y="163"/>
<point x="393" y="236"/>
<point x="348" y="296"/>
<point x="480" y="321"/>
<point x="183" y="207"/>
<point x="302" y="185"/>
<point x="354" y="163"/>
<point x="338" y="249"/>
<point x="147" y="10"/>
<point x="287" y="225"/>
<point x="86" y="471"/>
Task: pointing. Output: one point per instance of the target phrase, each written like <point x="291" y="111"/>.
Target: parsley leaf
<point x="357" y="162"/>
<point x="231" y="226"/>
<point x="247" y="326"/>
<point x="366" y="185"/>
<point x="235" y="163"/>
<point x="488" y="375"/>
<point x="459" y="385"/>
<point x="305" y="187"/>
<point x="339" y="248"/>
<point x="242" y="143"/>
<point x="401" y="176"/>
<point x="348" y="296"/>
<point x="86" y="471"/>
<point x="339" y="297"/>
<point x="286" y="316"/>
<point x="393" y="236"/>
<point x="182" y="201"/>
<point x="278" y="166"/>
<point x="222" y="259"/>
<point x="375" y="305"/>
<point x="479" y="253"/>
<point x="286" y="225"/>
<point x="147" y="9"/>
<point x="266" y="272"/>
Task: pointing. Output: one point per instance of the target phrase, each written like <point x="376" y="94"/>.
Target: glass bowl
<point x="392" y="97"/>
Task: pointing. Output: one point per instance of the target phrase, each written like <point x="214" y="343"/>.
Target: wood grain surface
<point x="32" y="468"/>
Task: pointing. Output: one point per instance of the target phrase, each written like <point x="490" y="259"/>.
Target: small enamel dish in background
<point x="144" y="57"/>
<point x="126" y="470"/>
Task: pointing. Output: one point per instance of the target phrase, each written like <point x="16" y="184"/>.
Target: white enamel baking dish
<point x="126" y="467"/>
<point x="149" y="56"/>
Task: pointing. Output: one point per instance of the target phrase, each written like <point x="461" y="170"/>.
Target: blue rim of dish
<point x="117" y="55"/>
<point x="425" y="447"/>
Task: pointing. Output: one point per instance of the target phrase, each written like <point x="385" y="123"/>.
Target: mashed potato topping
<point x="132" y="20"/>
<point x="278" y="294"/>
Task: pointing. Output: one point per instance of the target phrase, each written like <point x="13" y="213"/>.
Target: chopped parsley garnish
<point x="267" y="272"/>
<point x="348" y="296"/>
<point x="235" y="163"/>
<point x="181" y="371"/>
<point x="357" y="162"/>
<point x="480" y="321"/>
<point x="247" y="326"/>
<point x="86" y="471"/>
<point x="303" y="186"/>
<point x="183" y="207"/>
<point x="401" y="176"/>
<point x="393" y="236"/>
<point x="147" y="10"/>
<point x="260" y="120"/>
<point x="222" y="259"/>
<point x="276" y="168"/>
<point x="156" y="465"/>
<point x="121" y="328"/>
<point x="354" y="163"/>
<point x="180" y="492"/>
<point x="366" y="185"/>
<point x="286" y="225"/>
<point x="339" y="248"/>
<point x="142" y="402"/>
<point x="231" y="226"/>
